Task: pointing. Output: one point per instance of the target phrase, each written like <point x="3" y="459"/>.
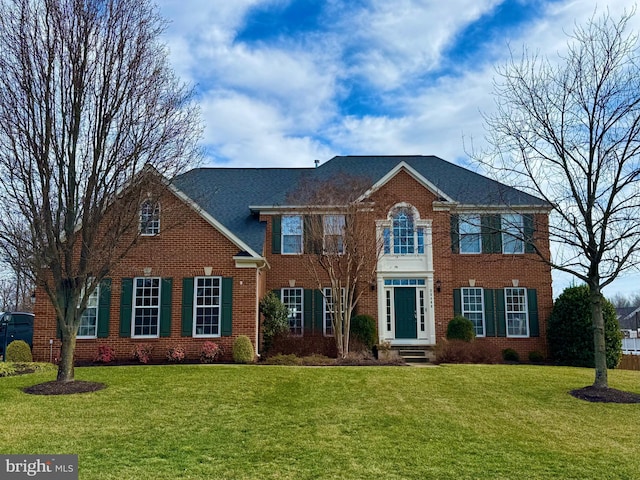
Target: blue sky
<point x="284" y="82"/>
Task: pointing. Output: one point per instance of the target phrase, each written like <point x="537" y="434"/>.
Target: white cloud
<point x="403" y="38"/>
<point x="249" y="132"/>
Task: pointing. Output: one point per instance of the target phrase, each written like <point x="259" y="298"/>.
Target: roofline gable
<point x="214" y="223"/>
<point x="413" y="173"/>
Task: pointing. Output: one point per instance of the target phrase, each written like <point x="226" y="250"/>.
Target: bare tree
<point x="620" y="300"/>
<point x="569" y="132"/>
<point x="341" y="248"/>
<point x="91" y="117"/>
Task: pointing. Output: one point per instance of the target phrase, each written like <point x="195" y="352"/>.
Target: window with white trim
<point x="291" y="228"/>
<point x="333" y="226"/>
<point x="149" y="218"/>
<point x="146" y="308"/>
<point x="470" y="233"/>
<point x="292" y="298"/>
<point x="512" y="226"/>
<point x="328" y="310"/>
<point x="515" y="300"/>
<point x="473" y="308"/>
<point x="89" y="321"/>
<point x="403" y="236"/>
<point x="206" y="306"/>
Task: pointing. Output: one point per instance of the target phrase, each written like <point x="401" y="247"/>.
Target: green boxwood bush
<point x="536" y="357"/>
<point x="19" y="351"/>
<point x="363" y="330"/>
<point x="570" y="330"/>
<point x="243" y="350"/>
<point x="510" y="355"/>
<point x="460" y="328"/>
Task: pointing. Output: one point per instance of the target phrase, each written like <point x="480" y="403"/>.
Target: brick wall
<point x="452" y="270"/>
<point x="182" y="249"/>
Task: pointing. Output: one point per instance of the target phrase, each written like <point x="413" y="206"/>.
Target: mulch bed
<point x="64" y="388"/>
<point x="605" y="395"/>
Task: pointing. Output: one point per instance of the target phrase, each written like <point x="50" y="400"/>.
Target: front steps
<point x="415" y="354"/>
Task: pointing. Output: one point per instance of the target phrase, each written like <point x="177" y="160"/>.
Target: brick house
<point x="454" y="242"/>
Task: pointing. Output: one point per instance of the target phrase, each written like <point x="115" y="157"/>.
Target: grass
<point x="272" y="422"/>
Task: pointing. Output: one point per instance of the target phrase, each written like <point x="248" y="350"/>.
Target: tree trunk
<point x="65" y="368"/>
<point x="600" y="349"/>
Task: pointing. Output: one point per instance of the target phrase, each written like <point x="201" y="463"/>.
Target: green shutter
<point x="311" y="231"/>
<point x="501" y="317"/>
<point x="318" y="311"/>
<point x="529" y="230"/>
<point x="165" y="307"/>
<point x="532" y="302"/>
<point x="455" y="237"/>
<point x="457" y="302"/>
<point x="307" y="318"/>
<point x="227" y="307"/>
<point x="104" y="308"/>
<point x="307" y="235"/>
<point x="186" y="328"/>
<point x="126" y="304"/>
<point x="489" y="314"/>
<point x="490" y="228"/>
<point x="276" y="233"/>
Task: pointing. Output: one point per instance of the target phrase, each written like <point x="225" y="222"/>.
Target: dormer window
<point x="150" y="218"/>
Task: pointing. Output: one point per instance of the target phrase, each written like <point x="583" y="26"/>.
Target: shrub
<point x="176" y="354"/>
<point x="142" y="352"/>
<point x="304" y="346"/>
<point x="510" y="355"/>
<point x="460" y="351"/>
<point x="460" y="328"/>
<point x="363" y="331"/>
<point x="243" y="350"/>
<point x="536" y="357"/>
<point x="19" y="351"/>
<point x="105" y="354"/>
<point x="210" y="352"/>
<point x="276" y="320"/>
<point x="570" y="330"/>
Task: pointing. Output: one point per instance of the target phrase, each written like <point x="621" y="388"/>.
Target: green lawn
<point x="212" y="421"/>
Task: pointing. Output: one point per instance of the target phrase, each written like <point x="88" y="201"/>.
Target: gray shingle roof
<point x="227" y="193"/>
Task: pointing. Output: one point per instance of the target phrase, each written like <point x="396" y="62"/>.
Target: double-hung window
<point x="512" y="233"/>
<point x="89" y="321"/>
<point x="328" y="310"/>
<point x="470" y="234"/>
<point x="206" y="305"/>
<point x="146" y="307"/>
<point x="473" y="308"/>
<point x="149" y="218"/>
<point x="291" y="234"/>
<point x="516" y="312"/>
<point x="292" y="299"/>
<point x="333" y="233"/>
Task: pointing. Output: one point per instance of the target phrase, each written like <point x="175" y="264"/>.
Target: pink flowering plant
<point x="176" y="354"/>
<point x="142" y="352"/>
<point x="106" y="354"/>
<point x="210" y="352"/>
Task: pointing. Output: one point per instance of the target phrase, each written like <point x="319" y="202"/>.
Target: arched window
<point x="403" y="236"/>
<point x="149" y="218"/>
<point x="403" y="241"/>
